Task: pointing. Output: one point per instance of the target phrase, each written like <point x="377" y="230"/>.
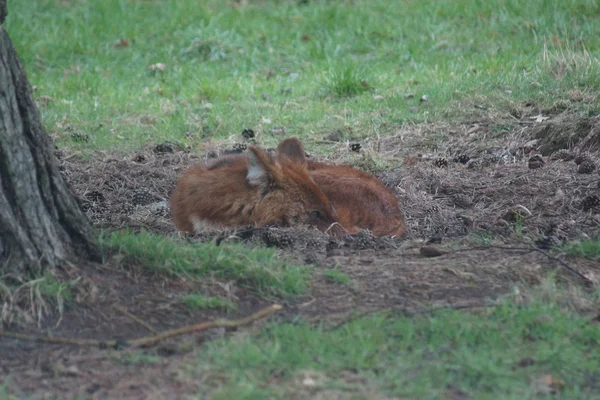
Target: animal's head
<point x="289" y="196"/>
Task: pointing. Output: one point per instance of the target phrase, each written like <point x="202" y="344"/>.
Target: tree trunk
<point x="41" y="224"/>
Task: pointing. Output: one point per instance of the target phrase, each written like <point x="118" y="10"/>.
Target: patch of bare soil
<point x="477" y="186"/>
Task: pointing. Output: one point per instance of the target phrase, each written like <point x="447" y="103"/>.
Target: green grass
<point x="337" y="276"/>
<point x="345" y="80"/>
<point x="252" y="267"/>
<point x="265" y="65"/>
<point x="202" y="302"/>
<point x="584" y="248"/>
<point x="497" y="355"/>
<point x="4" y="395"/>
<point x="55" y="288"/>
<point x="482" y="238"/>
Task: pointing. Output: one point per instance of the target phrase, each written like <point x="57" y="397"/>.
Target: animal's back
<point x="255" y="188"/>
<point x="360" y="199"/>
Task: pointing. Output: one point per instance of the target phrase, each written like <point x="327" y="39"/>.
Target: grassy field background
<point x="361" y="67"/>
<point x="116" y="75"/>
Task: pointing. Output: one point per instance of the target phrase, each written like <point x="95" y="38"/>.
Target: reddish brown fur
<point x="361" y="201"/>
<point x="251" y="189"/>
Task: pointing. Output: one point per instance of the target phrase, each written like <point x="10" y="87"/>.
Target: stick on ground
<point x="150" y="340"/>
<point x="136" y="319"/>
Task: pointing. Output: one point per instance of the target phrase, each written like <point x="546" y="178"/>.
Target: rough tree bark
<point x="41" y="224"/>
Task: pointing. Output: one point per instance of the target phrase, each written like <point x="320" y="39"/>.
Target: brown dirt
<point x="494" y="198"/>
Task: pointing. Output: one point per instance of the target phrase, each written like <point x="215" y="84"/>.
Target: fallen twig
<point x="563" y="264"/>
<point x="148" y="340"/>
<point x="566" y="266"/>
<point x="136" y="319"/>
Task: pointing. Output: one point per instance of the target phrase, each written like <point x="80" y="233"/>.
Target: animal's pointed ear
<point x="262" y="170"/>
<point x="292" y="149"/>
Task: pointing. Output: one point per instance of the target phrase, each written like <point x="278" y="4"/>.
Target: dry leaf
<point x="539" y="118"/>
<point x="147" y="120"/>
<point x="122" y="43"/>
<point x="430" y="251"/>
<point x="473" y="129"/>
<point x="548" y="384"/>
<point x="157" y="67"/>
<point x="278" y="130"/>
<point x="410" y="160"/>
<point x="592" y="278"/>
<point x="530" y="145"/>
<point x="240" y="4"/>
